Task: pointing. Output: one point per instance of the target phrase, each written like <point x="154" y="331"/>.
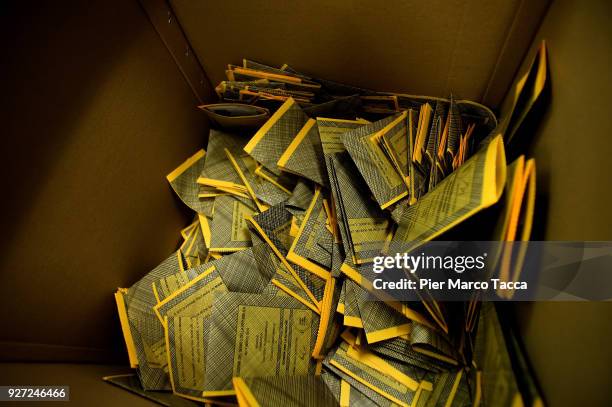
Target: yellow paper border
<point x="293" y="257"/>
<point x="185" y="165"/>
<point x="174" y="294"/>
<point x="295" y="143"/>
<point x="284" y="261"/>
<point x="268" y="125"/>
<point x="125" y="328"/>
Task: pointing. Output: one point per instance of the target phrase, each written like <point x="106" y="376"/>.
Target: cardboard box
<point x="96" y="110"/>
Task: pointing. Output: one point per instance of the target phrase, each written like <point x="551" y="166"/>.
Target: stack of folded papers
<point x="268" y="300"/>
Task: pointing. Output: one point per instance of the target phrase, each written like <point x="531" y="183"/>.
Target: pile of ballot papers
<point x="268" y="300"/>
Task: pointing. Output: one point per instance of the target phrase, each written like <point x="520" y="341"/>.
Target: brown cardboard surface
<point x="170" y="32"/>
<point x="85" y="381"/>
<point x="568" y="343"/>
<point x="94" y="114"/>
<point x="417" y="47"/>
<point x="572" y="141"/>
<point x="525" y="24"/>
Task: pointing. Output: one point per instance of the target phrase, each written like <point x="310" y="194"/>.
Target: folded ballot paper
<point x="268" y="299"/>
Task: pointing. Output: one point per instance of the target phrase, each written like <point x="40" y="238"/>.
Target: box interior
<point x="97" y="112"/>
